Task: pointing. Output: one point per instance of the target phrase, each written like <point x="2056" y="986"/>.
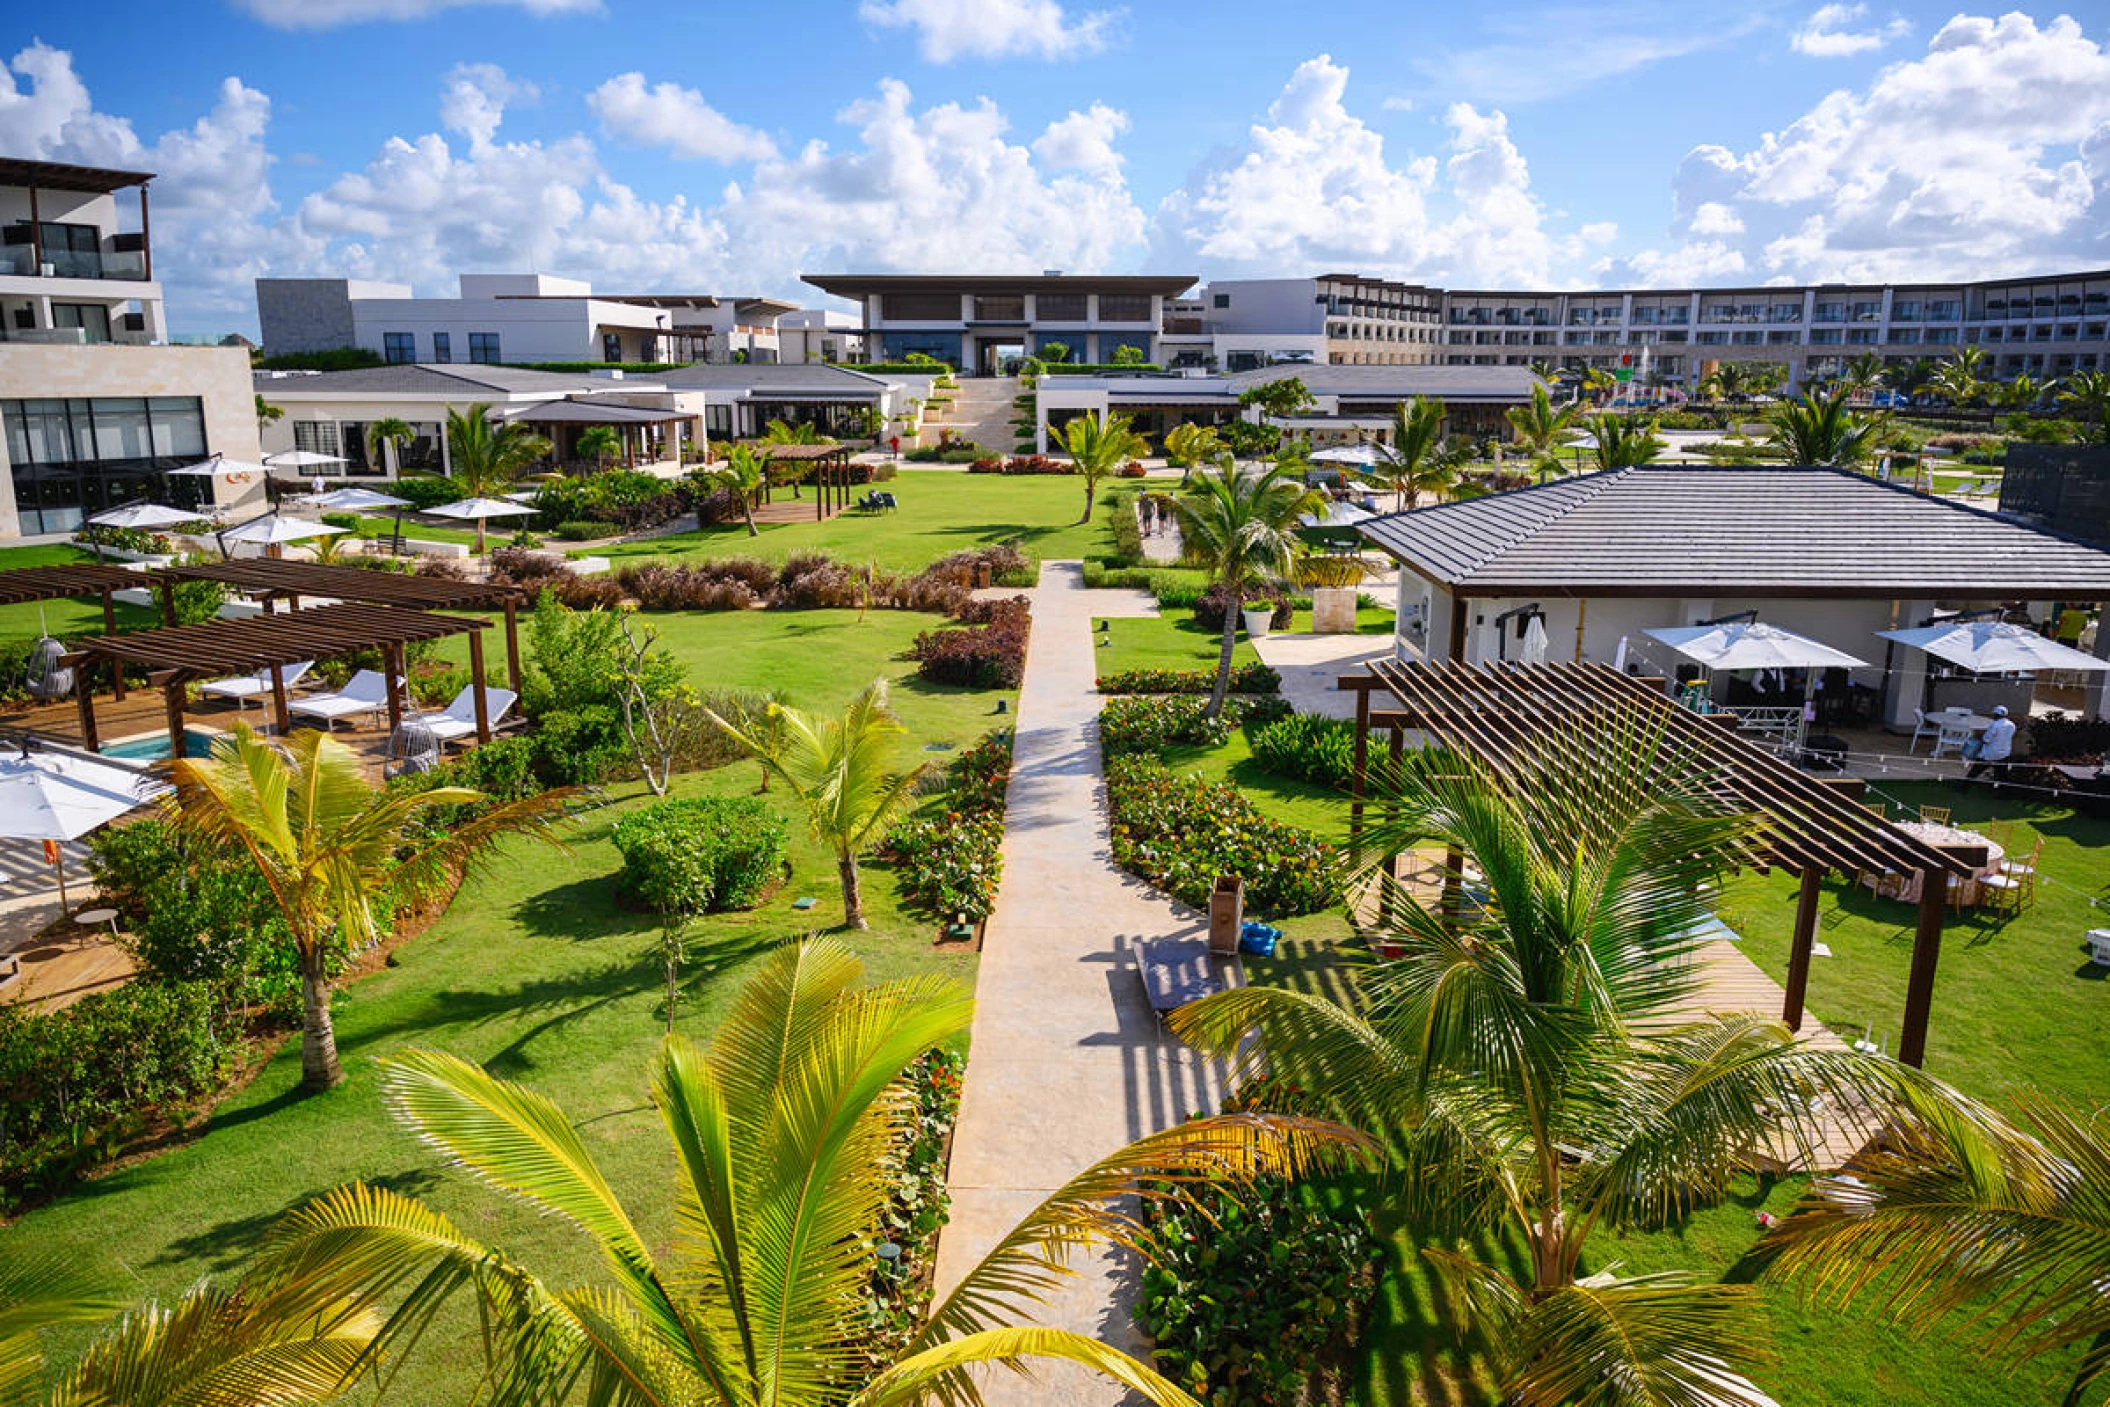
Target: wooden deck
<point x="141" y="714"/>
<point x="58" y="971"/>
<point x="786" y="509"/>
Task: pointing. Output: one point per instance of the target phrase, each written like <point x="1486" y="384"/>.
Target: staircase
<point x="981" y="412"/>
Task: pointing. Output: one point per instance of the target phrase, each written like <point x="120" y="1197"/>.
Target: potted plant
<point x="1332" y="582"/>
<point x="1257" y="619"/>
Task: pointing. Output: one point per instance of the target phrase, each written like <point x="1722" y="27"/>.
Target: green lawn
<point x="941" y="512"/>
<point x="69" y="616"/>
<point x="1174" y="641"/>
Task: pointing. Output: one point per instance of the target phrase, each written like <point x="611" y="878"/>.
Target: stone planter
<point x="1257" y="622"/>
<point x="1333" y="610"/>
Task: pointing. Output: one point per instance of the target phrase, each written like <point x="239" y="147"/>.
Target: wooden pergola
<point x="1504" y="716"/>
<point x="24" y="586"/>
<point x="275" y="580"/>
<point x="178" y="656"/>
<point x="830" y="465"/>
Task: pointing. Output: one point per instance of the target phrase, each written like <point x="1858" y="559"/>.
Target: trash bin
<point x="1226" y="914"/>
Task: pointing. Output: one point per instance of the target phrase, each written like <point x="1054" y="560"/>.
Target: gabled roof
<point x="1718" y="530"/>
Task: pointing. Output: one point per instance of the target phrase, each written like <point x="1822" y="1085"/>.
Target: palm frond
<point x="917" y="1378"/>
<point x="1649" y="1341"/>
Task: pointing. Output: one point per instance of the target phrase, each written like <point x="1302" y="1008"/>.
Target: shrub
<point x="1131" y="470"/>
<point x="699" y="855"/>
<point x="1307" y="746"/>
<point x="952" y="863"/>
<point x="427" y="490"/>
<point x="1149" y="723"/>
<point x="1025" y="463"/>
<point x="580" y="747"/>
<point x="584" y="530"/>
<point x="1209" y="606"/>
<point x="1255" y="678"/>
<point x="1127" y="533"/>
<point x="2069" y="736"/>
<point x="991" y="656"/>
<point x="626" y="498"/>
<point x="1180" y="833"/>
<point x="899" y="1292"/>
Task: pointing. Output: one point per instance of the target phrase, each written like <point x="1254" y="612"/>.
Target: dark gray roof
<point x="1716" y="530"/>
<point x="591" y="413"/>
<point x="407" y="379"/>
<point x="804" y="378"/>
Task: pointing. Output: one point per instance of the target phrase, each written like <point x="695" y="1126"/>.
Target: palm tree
<point x="1541" y="425"/>
<point x="743" y="473"/>
<point x="782" y="432"/>
<point x="325" y="840"/>
<point x="841" y="771"/>
<point x="1241" y="525"/>
<point x="779" y="1131"/>
<point x="1189" y="445"/>
<point x="600" y="443"/>
<point x="1730" y="381"/>
<point x="1959" y="378"/>
<point x="1822" y="429"/>
<point x="1916" y="377"/>
<point x="1598" y="383"/>
<point x="484" y="455"/>
<point x="1417" y="461"/>
<point x="1962" y="1210"/>
<point x="2022" y="392"/>
<point x="388" y="430"/>
<point x="1098" y="445"/>
<point x="1529" y="1064"/>
<point x="1620" y="441"/>
<point x="2087" y="395"/>
<point x="267" y="413"/>
<point x="1863" y="371"/>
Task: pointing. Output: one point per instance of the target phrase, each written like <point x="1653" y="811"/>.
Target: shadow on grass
<point x="226" y="1245"/>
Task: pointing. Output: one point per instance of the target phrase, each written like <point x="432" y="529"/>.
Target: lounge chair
<point x="458" y="719"/>
<point x="365" y="692"/>
<point x="244" y="687"/>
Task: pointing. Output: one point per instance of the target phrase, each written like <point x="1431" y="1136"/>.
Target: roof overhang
<point x="858" y="285"/>
<point x="59" y="176"/>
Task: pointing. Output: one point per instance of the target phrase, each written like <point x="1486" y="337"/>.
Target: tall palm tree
<point x="1820" y="428"/>
<point x="1417" y="461"/>
<point x="1541" y="425"/>
<point x="1863" y="371"/>
<point x="1529" y="1066"/>
<point x="2087" y="396"/>
<point x="742" y="473"/>
<point x="841" y="770"/>
<point x="326" y="841"/>
<point x="600" y="443"/>
<point x="1098" y="445"/>
<point x="486" y="455"/>
<point x="779" y="1129"/>
<point x="1241" y="525"/>
<point x="1962" y="1211"/>
<point x="1621" y="441"/>
<point x="388" y="430"/>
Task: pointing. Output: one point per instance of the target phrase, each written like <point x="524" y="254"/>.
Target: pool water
<point x="157" y="746"/>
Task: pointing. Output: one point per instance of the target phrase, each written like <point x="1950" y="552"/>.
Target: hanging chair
<point x="47" y="680"/>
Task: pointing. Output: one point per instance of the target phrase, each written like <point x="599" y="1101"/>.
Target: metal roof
<point x="1716" y="530"/>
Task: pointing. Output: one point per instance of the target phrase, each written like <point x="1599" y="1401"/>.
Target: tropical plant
<point x="1098" y="445"/>
<point x="1055" y="353"/>
<point x="841" y="770"/>
<point x="1281" y="398"/>
<point x="1127" y="354"/>
<point x="388" y="430"/>
<point x="327" y="841"/>
<point x="742" y="473"/>
<point x="1820" y="428"/>
<point x="1541" y="425"/>
<point x="1240" y="524"/>
<point x="1417" y="461"/>
<point x="1961" y="1211"/>
<point x="1621" y="441"/>
<point x="1598" y="383"/>
<point x="779" y="1129"/>
<point x="1863" y="371"/>
<point x="1916" y="377"/>
<point x="2021" y="393"/>
<point x="782" y="432"/>
<point x="1731" y="381"/>
<point x="1246" y="439"/>
<point x="1531" y="1065"/>
<point x="1188" y="445"/>
<point x="1960" y="378"/>
<point x="486" y="455"/>
<point x="600" y="443"/>
<point x="2087" y="395"/>
<point x="267" y="413"/>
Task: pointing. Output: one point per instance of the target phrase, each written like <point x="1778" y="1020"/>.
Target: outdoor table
<point x="91" y="919"/>
<point x="1946" y="837"/>
<point x="1975" y="723"/>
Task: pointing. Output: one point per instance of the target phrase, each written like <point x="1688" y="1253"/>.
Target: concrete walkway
<point x="1309" y="664"/>
<point x="1067" y="1063"/>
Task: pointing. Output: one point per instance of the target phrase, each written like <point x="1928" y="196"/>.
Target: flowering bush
<point x="1308" y="746"/>
<point x="1180" y="833"/>
<point x="1131" y="470"/>
<point x="1148" y="723"/>
<point x="952" y="863"/>
<point x="918" y="1205"/>
<point x="1253" y="678"/>
<point x="1021" y="464"/>
<point x="991" y="656"/>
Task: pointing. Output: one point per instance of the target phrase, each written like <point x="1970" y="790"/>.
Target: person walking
<point x="1991" y="748"/>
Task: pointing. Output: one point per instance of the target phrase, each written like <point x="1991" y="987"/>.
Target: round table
<point x="96" y="918"/>
<point x="1947" y="837"/>
<point x="1952" y="723"/>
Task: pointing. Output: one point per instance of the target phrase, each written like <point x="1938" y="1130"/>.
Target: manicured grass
<point x="69" y="616"/>
<point x="941" y="512"/>
<point x="1174" y="641"/>
<point x="496" y="531"/>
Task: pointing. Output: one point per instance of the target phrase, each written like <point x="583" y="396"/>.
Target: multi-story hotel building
<point x="1337" y="319"/>
<point x="980" y="324"/>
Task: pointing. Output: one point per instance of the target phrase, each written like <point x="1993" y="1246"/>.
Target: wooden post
<point x="84" y="700"/>
<point x="172" y="699"/>
<point x="1926" y="954"/>
<point x="110" y="628"/>
<point x="1395" y="749"/>
<point x="1799" y="952"/>
<point x="279" y="707"/>
<point x="1582" y="616"/>
<point x="1356" y="784"/>
<point x="393" y="672"/>
<point x="168" y="601"/>
<point x="512" y="612"/>
<point x="476" y="685"/>
<point x="1457" y="642"/>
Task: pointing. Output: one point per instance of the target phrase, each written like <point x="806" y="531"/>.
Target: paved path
<point x="1067" y="1063"/>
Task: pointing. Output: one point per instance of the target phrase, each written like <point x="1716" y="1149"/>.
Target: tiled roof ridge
<point x="1576" y="492"/>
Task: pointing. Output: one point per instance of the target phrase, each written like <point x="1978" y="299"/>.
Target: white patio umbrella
<point x="301" y="459"/>
<point x="1345" y="454"/>
<point x="273" y="531"/>
<point x="209" y="468"/>
<point x="143" y="515"/>
<point x="58" y="795"/>
<point x="476" y="510"/>
<point x="1337" y="515"/>
<point x="1753" y="645"/>
<point x="357" y="499"/>
<point x="1995" y="647"/>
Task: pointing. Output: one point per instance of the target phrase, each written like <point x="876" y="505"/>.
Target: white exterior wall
<point x="25" y="289"/>
<point x="1058" y="401"/>
<point x="529" y="329"/>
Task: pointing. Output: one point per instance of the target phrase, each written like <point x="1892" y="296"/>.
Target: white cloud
<point x="993" y="29"/>
<point x="326" y="14"/>
<point x="1711" y="217"/>
<point x="475" y="98"/>
<point x="1553" y="51"/>
<point x="676" y="118"/>
<point x="1397" y="103"/>
<point x="1824" y="34"/>
<point x="1083" y="141"/>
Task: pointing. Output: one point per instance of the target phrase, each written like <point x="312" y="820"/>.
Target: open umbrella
<point x="219" y="464"/>
<point x="1346" y="454"/>
<point x="143" y="515"/>
<point x="1994" y="647"/>
<point x="358" y="500"/>
<point x="476" y="510"/>
<point x="273" y="531"/>
<point x="1337" y="515"/>
<point x="57" y="794"/>
<point x="301" y="459"/>
<point x="1753" y="645"/>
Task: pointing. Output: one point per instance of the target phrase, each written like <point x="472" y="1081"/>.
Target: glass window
<point x="1124" y="307"/>
<point x="1221" y="300"/>
<point x="120" y="430"/>
<point x="920" y="307"/>
<point x="483" y="347"/>
<point x="1786" y="312"/>
<point x="399" y="347"/>
<point x="1831" y="312"/>
<point x="611" y="347"/>
<point x="1070" y="307"/>
<point x="1905" y="310"/>
<point x="93" y="319"/>
<point x="1005" y="307"/>
<point x="75" y="457"/>
<point x="442" y="348"/>
<point x="316" y="436"/>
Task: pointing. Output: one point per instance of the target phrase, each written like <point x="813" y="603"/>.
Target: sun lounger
<point x="1176" y="971"/>
<point x="458" y="719"/>
<point x="244" y="687"/>
<point x="366" y="692"/>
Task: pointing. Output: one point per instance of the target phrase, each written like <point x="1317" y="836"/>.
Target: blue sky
<point x="728" y="148"/>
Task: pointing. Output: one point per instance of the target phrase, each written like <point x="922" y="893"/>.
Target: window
<point x="399" y="347"/>
<point x="442" y="348"/>
<point x="1007" y="307"/>
<point x="71" y="458"/>
<point x="483" y="347"/>
<point x="1831" y="312"/>
<point x="1867" y="312"/>
<point x="1124" y="307"/>
<point x="1862" y="336"/>
<point x="1711" y="339"/>
<point x="1941" y="310"/>
<point x="1905" y="310"/>
<point x="920" y="307"/>
<point x="1825" y="337"/>
<point x="611" y="347"/>
<point x="718" y="421"/>
<point x="1221" y="300"/>
<point x="1786" y="312"/>
<point x="93" y="319"/>
<point x="1905" y="336"/>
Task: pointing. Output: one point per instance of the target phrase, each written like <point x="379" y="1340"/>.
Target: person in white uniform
<point x="1992" y="746"/>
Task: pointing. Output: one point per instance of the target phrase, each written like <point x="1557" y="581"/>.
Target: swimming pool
<point x="156" y="745"/>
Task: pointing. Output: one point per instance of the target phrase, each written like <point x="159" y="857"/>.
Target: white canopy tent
<point x="1995" y="647"/>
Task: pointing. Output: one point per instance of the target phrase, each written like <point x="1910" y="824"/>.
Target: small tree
<point x="600" y="443"/>
<point x="1622" y="442"/>
<point x="267" y="413"/>
<point x="1417" y="461"/>
<point x="1188" y="445"/>
<point x="1247" y="440"/>
<point x="1055" y="352"/>
<point x="1821" y="429"/>
<point x="1863" y="372"/>
<point x="388" y="430"/>
<point x="1541" y="425"/>
<point x="1098" y="445"/>
<point x="658" y="718"/>
<point x="783" y="432"/>
<point x="2087" y="397"/>
<point x="1281" y="398"/>
<point x="1127" y="354"/>
<point x="1241" y="524"/>
<point x="744" y="474"/>
<point x="485" y="455"/>
<point x="1961" y="378"/>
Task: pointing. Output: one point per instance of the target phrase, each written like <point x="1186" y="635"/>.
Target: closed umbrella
<point x="1995" y="647"/>
<point x="476" y="510"/>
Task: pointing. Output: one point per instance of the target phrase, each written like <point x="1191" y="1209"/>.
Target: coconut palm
<point x="326" y="841"/>
<point x="841" y="770"/>
<point x="1864" y="371"/>
<point x="2087" y="396"/>
<point x="388" y="430"/>
<point x="2021" y="393"/>
<point x="780" y="1131"/>
<point x="1597" y="383"/>
<point x="1621" y="441"/>
<point x="1820" y="428"/>
<point x="1541" y="425"/>
<point x="1097" y="446"/>
<point x="1961" y="1211"/>
<point x="783" y="432"/>
<point x="1960" y="378"/>
<point x="1731" y="381"/>
<point x="1529" y="1063"/>
<point x="600" y="443"/>
<point x="484" y="456"/>
<point x="1240" y="524"/>
<point x="1189" y="445"/>
<point x="1417" y="461"/>
<point x="742" y="473"/>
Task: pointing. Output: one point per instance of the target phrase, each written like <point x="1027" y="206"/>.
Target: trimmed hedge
<point x="1307" y="746"/>
<point x="1180" y="833"/>
<point x="1209" y="607"/>
<point x="700" y="854"/>
<point x="427" y="490"/>
<point x="1245" y="679"/>
<point x="952" y="863"/>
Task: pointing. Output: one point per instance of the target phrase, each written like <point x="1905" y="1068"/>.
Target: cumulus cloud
<point x="327" y="14"/>
<point x="1713" y="218"/>
<point x="1083" y="141"/>
<point x="1824" y="35"/>
<point x="993" y="29"/>
<point x="675" y="118"/>
<point x="474" y="99"/>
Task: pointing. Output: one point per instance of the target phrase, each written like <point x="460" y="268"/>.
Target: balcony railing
<point x="20" y="261"/>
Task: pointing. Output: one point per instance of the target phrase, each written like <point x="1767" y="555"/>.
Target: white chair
<point x="1952" y="733"/>
<point x="244" y="687"/>
<point x="364" y="692"/>
<point x="1922" y="727"/>
<point x="2099" y="946"/>
<point x="458" y="719"/>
